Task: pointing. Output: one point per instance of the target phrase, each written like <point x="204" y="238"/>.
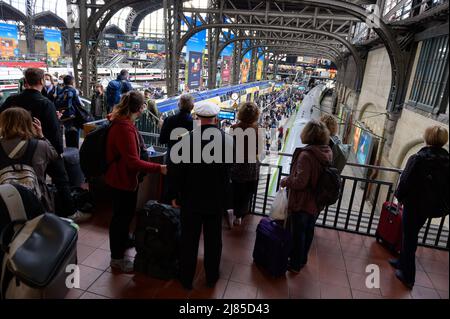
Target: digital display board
<point x="227" y="115"/>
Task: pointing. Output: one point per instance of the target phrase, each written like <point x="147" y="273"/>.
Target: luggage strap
<point x="13" y="202"/>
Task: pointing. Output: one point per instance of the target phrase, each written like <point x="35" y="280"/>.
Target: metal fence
<point x="357" y="209"/>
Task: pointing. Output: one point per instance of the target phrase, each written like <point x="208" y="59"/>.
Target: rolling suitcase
<point x="157" y="237"/>
<point x="272" y="247"/>
<point x="389" y="230"/>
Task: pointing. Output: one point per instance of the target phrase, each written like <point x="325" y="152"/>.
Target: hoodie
<point x="307" y="163"/>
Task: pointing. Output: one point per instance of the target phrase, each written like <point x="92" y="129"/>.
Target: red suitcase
<point x="389" y="230"/>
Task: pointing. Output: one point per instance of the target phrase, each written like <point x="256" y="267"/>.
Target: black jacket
<point x="202" y="187"/>
<point x="424" y="183"/>
<point x="181" y="119"/>
<point x="41" y="108"/>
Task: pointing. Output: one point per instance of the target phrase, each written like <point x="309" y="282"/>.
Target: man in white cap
<point x="201" y="188"/>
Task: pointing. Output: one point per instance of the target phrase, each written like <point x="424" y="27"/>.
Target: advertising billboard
<point x="135" y="45"/>
<point x="194" y="69"/>
<point x="9" y="40"/>
<point x="226" y="69"/>
<point x="364" y="147"/>
<point x="259" y="69"/>
<point x="195" y="47"/>
<point x="356" y="139"/>
<point x="53" y="42"/>
<point x="120" y="44"/>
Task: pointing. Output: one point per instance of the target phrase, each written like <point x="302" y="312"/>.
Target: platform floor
<point x="336" y="269"/>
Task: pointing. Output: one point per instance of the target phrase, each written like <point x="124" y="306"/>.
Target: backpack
<point x="328" y="187"/>
<point x="114" y="92"/>
<point x="157" y="239"/>
<point x="20" y="170"/>
<point x="434" y="176"/>
<point x="63" y="100"/>
<point x="93" y="152"/>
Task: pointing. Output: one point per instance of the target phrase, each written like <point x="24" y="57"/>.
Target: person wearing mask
<point x="116" y="88"/>
<point x="423" y="190"/>
<point x="182" y="119"/>
<point x="17" y="127"/>
<point x="244" y="175"/>
<point x="123" y="152"/>
<point x="49" y="90"/>
<point x="200" y="188"/>
<point x="307" y="164"/>
<point x="98" y="103"/>
<point x="32" y="100"/>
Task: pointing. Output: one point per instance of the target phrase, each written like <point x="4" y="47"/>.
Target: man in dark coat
<point x="201" y="184"/>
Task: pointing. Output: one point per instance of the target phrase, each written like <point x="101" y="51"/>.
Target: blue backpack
<point x="114" y="92"/>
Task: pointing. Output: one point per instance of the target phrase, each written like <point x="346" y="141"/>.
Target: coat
<point x="123" y="152"/>
<point x="307" y="163"/>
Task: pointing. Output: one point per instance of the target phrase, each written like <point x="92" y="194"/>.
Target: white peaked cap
<point x="206" y="109"/>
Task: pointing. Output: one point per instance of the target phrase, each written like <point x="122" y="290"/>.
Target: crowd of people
<point x="32" y="121"/>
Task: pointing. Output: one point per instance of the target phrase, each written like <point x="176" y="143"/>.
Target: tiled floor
<point x="336" y="269"/>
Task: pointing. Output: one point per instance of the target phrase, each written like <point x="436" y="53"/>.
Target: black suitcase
<point x="157" y="237"/>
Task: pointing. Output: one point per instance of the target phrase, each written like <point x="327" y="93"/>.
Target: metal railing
<point x="357" y="209"/>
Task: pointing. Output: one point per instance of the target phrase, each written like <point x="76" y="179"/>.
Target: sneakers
<point x="124" y="265"/>
<point x="230" y="218"/>
<point x="80" y="217"/>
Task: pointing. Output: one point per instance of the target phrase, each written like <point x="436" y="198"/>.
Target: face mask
<point x="60" y="81"/>
<point x="48" y="83"/>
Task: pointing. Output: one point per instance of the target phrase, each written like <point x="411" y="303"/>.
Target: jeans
<point x="302" y="229"/>
<point x="412" y="222"/>
<point x="124" y="207"/>
<point x="191" y="228"/>
<point x="242" y="194"/>
<point x="57" y="171"/>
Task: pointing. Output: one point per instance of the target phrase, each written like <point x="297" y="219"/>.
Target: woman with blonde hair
<point x="244" y="174"/>
<point x="423" y="191"/>
<point x="123" y="152"/>
<point x="22" y="142"/>
<point x="307" y="165"/>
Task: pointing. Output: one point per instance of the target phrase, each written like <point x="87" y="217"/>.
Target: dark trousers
<point x="191" y="228"/>
<point x="412" y="222"/>
<point x="302" y="226"/>
<point x="57" y="171"/>
<point x="242" y="194"/>
<point x="124" y="207"/>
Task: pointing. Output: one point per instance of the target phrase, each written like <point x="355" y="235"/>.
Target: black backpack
<point x="328" y="186"/>
<point x="434" y="178"/>
<point x="93" y="152"/>
<point x="157" y="238"/>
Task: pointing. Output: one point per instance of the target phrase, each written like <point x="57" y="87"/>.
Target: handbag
<point x="279" y="208"/>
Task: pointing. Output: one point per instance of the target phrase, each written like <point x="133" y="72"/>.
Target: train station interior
<point x="124" y="218"/>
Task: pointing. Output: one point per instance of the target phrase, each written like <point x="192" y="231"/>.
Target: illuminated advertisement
<point x="259" y="69"/>
<point x="364" y="145"/>
<point x="9" y="40"/>
<point x="194" y="69"/>
<point x="120" y="44"/>
<point x="195" y="48"/>
<point x="53" y="41"/>
<point x="227" y="115"/>
<point x="356" y="139"/>
<point x="136" y="45"/>
<point x="226" y="69"/>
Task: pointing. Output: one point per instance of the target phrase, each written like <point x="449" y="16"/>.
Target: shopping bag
<point x="278" y="211"/>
